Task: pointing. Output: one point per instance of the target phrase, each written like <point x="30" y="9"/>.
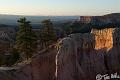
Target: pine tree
<point x="48" y="35"/>
<point x="26" y="39"/>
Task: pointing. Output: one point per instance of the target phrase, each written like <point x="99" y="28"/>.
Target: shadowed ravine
<point x="79" y="57"/>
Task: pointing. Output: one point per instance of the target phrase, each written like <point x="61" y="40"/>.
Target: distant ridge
<point x="117" y="14"/>
<point x="35" y="20"/>
<point x="105" y="19"/>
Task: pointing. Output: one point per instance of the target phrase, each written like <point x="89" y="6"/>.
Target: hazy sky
<point x="59" y="7"/>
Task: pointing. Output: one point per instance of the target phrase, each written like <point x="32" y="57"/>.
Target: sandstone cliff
<point x="79" y="57"/>
<point x="83" y="56"/>
<point x="99" y="20"/>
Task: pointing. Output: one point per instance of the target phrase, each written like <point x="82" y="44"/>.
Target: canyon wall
<point x="79" y="57"/>
<point x="83" y="56"/>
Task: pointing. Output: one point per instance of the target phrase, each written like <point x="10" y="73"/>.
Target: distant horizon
<point x="59" y="7"/>
<point x="57" y="15"/>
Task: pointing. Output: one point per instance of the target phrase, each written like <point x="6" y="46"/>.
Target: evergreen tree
<point x="48" y="35"/>
<point x="26" y="39"/>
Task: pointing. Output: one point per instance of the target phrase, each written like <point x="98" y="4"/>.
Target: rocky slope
<point x="79" y="57"/>
<point x="7" y="33"/>
<point x="7" y="37"/>
<point x="41" y="67"/>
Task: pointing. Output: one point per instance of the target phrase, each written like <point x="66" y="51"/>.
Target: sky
<point x="59" y="7"/>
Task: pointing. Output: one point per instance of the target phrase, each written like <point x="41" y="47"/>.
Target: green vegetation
<point x="67" y="29"/>
<point x="47" y="34"/>
<point x="26" y="41"/>
<point x="77" y="28"/>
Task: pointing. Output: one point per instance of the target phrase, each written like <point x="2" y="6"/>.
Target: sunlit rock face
<point x="103" y="38"/>
<point x="77" y="59"/>
<point x="83" y="56"/>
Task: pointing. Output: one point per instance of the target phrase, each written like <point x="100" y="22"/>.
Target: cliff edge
<point x="84" y="56"/>
<point x="79" y="57"/>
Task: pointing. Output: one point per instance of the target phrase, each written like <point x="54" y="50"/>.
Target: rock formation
<point x="79" y="57"/>
<point x="103" y="38"/>
<point x="41" y="67"/>
<point x="83" y="56"/>
<point x="7" y="37"/>
<point x="85" y="19"/>
<point x="105" y="19"/>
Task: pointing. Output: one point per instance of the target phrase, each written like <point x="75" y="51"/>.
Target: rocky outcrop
<point x="7" y="33"/>
<point x="99" y="20"/>
<point x="103" y="38"/>
<point x="79" y="57"/>
<point x="85" y="19"/>
<point x="40" y="67"/>
<point x="7" y="37"/>
<point x="83" y="56"/>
